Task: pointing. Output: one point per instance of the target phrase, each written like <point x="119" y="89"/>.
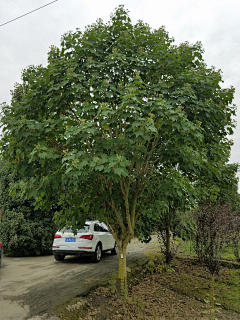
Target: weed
<point x="154" y="268"/>
<point x="112" y="283"/>
<point x="157" y="268"/>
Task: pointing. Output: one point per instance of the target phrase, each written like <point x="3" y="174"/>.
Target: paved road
<point x="28" y="286"/>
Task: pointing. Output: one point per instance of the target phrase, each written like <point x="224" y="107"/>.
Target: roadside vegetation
<point x="24" y="231"/>
<point x="159" y="291"/>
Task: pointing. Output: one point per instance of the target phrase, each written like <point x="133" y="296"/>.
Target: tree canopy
<point x="116" y="106"/>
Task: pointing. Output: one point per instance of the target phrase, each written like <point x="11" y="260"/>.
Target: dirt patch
<point x="160" y="292"/>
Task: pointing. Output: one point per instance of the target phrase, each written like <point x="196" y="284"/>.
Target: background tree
<point x="24" y="231"/>
<point x="168" y="215"/>
<point x="219" y="187"/>
<point x="233" y="239"/>
<point x="217" y="226"/>
<point x="228" y="187"/>
<point x="178" y="194"/>
<point x="115" y="104"/>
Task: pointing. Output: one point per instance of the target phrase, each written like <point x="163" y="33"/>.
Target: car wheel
<point x="114" y="251"/>
<point x="97" y="254"/>
<point x="59" y="257"/>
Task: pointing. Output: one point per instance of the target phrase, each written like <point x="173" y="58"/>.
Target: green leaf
<point x="120" y="171"/>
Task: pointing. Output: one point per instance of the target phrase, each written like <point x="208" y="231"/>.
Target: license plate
<point x="70" y="240"/>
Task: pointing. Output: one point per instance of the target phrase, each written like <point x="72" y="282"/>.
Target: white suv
<point x="90" y="241"/>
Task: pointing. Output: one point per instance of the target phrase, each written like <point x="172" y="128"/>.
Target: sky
<point x="27" y="40"/>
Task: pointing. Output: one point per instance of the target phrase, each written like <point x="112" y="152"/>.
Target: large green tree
<point x="114" y="105"/>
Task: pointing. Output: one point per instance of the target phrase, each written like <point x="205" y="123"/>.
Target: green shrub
<point x="24" y="231"/>
<point x="23" y="237"/>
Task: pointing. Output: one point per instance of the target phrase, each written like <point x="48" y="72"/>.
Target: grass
<point x="197" y="284"/>
<point x="187" y="247"/>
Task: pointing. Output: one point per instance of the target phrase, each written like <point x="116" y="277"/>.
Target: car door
<point x="101" y="234"/>
<point x="109" y="238"/>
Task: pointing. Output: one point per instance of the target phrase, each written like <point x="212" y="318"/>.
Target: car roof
<point x="91" y="222"/>
<point x="86" y="223"/>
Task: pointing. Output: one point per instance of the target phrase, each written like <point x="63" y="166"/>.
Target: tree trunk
<point x="168" y="245"/>
<point x="122" y="273"/>
<point x="190" y="244"/>
<point x="212" y="302"/>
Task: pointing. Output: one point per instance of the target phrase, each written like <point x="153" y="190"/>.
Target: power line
<point x="28" y="13"/>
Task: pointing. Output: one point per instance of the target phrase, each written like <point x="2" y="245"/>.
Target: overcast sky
<point x="26" y="41"/>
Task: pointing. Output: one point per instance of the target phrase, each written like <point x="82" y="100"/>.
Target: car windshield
<point x="84" y="230"/>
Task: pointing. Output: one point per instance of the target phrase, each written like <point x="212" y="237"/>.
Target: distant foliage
<point x="23" y="230"/>
<point x="231" y="222"/>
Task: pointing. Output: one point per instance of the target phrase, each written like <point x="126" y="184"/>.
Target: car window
<point x="84" y="230"/>
<point x="104" y="226"/>
<point x="98" y="228"/>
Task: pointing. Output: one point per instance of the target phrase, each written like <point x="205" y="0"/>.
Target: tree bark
<point x="168" y="245"/>
<point x="122" y="290"/>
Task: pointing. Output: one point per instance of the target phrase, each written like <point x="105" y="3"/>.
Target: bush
<point x="24" y="237"/>
<point x="217" y="227"/>
<point x="24" y="231"/>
